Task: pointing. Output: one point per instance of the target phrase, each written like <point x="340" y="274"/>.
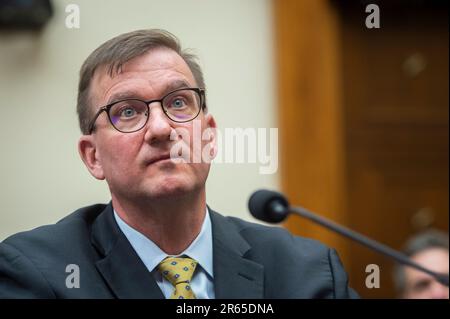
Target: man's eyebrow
<point x="172" y="86"/>
<point x="122" y="96"/>
<point x="175" y="85"/>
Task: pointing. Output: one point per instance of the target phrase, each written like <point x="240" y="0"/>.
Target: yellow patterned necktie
<point x="178" y="271"/>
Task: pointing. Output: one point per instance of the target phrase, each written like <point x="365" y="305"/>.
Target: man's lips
<point x="158" y="159"/>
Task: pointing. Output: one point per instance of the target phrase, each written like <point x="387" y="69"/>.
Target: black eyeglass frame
<point x="107" y="108"/>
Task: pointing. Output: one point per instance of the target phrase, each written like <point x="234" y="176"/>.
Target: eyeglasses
<point x="131" y="115"/>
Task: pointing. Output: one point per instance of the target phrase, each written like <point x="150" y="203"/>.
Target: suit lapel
<point x="121" y="267"/>
<point x="234" y="275"/>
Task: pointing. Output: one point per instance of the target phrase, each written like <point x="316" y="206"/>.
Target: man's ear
<point x="211" y="126"/>
<point x="88" y="152"/>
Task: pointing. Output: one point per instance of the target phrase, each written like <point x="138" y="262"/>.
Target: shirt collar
<point x="151" y="255"/>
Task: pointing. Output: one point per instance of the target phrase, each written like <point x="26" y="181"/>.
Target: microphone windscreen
<point x="268" y="206"/>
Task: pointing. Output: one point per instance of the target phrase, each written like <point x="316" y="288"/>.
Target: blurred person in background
<point x="430" y="250"/>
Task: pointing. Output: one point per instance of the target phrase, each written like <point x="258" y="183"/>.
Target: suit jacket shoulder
<point x="34" y="264"/>
<point x="294" y="267"/>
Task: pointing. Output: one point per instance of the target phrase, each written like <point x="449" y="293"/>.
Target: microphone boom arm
<point x="363" y="240"/>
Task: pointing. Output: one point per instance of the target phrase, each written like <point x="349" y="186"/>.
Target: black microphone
<point x="273" y="207"/>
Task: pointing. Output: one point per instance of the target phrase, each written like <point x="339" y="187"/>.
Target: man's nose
<point x="158" y="127"/>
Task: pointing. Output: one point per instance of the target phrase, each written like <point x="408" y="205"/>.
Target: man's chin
<point x="169" y="189"/>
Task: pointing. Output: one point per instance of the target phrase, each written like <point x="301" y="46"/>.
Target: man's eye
<point x="177" y="103"/>
<point x="128" y="112"/>
<point x="422" y="285"/>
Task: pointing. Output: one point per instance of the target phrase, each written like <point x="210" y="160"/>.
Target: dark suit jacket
<point x="249" y="261"/>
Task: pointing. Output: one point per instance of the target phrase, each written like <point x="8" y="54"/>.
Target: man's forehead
<point x="156" y="60"/>
<point x="431" y="255"/>
<point x="159" y="66"/>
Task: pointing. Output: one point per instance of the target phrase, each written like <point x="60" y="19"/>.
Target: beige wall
<point x="42" y="177"/>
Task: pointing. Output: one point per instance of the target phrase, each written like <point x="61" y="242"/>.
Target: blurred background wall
<point x="42" y="176"/>
<point x="362" y="113"/>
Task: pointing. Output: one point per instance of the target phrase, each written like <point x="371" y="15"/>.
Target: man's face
<point x="422" y="286"/>
<point x="127" y="160"/>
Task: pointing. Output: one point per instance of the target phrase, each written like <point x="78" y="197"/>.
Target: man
<point x="430" y="250"/>
<point x="140" y="98"/>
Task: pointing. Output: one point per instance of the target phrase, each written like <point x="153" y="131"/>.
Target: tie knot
<point x="177" y="269"/>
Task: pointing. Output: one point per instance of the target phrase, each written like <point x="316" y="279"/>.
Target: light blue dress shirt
<point x="201" y="249"/>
